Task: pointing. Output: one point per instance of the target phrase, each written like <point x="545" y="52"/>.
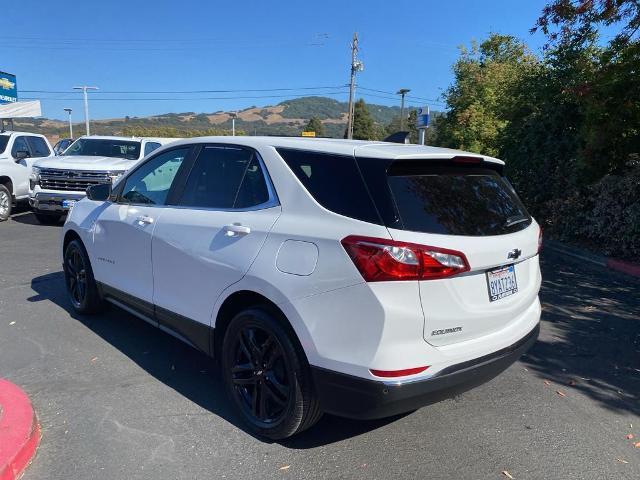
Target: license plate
<point x="67" y="204"/>
<point x="501" y="282"/>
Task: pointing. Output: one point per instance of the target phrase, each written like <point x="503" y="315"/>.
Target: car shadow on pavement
<point x="181" y="367"/>
<point x="23" y="214"/>
<point x="590" y="339"/>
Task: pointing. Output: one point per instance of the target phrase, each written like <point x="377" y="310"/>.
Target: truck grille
<point x="71" y="180"/>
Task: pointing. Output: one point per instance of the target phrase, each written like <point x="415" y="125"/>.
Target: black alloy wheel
<point x="78" y="275"/>
<point x="261" y="375"/>
<point x="266" y="375"/>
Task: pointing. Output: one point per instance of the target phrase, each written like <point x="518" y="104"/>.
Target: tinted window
<point x="150" y="147"/>
<point x="334" y="182"/>
<point x="19" y="145"/>
<point x="39" y="147"/>
<point x="4" y="140"/>
<point x="225" y="178"/>
<point x="150" y="183"/>
<point x="99" y="147"/>
<point x="456" y="201"/>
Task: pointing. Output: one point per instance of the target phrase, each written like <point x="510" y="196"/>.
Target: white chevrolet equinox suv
<point x="362" y="279"/>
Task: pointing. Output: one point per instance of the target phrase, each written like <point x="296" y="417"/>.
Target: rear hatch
<point x="464" y="205"/>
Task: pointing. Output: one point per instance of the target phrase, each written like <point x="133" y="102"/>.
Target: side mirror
<point x="21" y="155"/>
<point x="100" y="192"/>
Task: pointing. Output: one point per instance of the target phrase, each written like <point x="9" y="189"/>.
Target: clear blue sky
<point x="170" y="46"/>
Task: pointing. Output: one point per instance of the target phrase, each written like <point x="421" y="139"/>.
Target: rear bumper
<point x="52" y="202"/>
<point x="355" y="397"/>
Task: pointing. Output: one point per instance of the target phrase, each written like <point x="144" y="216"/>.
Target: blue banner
<point x="8" y="88"/>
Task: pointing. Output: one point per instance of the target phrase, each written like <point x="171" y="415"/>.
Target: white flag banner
<point x="21" y="110"/>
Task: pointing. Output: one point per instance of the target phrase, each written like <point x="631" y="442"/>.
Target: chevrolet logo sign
<point x="6" y="84"/>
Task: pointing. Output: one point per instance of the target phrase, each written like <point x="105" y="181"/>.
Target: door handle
<point x="236" y="229"/>
<point x="145" y="220"/>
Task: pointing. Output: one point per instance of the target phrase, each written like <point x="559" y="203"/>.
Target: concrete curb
<point x="19" y="431"/>
<point x="623" y="266"/>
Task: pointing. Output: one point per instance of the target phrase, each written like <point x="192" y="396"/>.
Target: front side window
<point x="225" y="178"/>
<point x="39" y="147"/>
<point x="150" y="147"/>
<point x="100" y="147"/>
<point x="150" y="183"/>
<point x="19" y="145"/>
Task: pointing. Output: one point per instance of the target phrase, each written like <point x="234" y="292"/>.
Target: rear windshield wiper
<point x="511" y="221"/>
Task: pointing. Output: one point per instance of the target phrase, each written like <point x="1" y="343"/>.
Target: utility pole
<point x="68" y="110"/>
<point x="356" y="66"/>
<point x="402" y="92"/>
<point x="233" y="123"/>
<point x="84" y="89"/>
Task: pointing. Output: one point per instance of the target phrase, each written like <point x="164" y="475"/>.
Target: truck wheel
<point x="47" y="219"/>
<point x="5" y="203"/>
<point x="78" y="276"/>
<point x="266" y="377"/>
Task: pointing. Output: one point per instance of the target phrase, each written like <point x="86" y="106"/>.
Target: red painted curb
<point x="19" y="431"/>
<point x="622" y="266"/>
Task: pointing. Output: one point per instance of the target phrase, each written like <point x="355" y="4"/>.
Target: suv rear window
<point x="455" y="200"/>
<point x="334" y="181"/>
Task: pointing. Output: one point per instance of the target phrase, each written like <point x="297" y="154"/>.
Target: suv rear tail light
<point x="382" y="260"/>
<point x="540" y="240"/>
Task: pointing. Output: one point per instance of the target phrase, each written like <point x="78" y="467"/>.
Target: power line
<point x="157" y="92"/>
<point x="126" y="99"/>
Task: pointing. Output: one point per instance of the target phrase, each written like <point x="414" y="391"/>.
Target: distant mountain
<point x="285" y="118"/>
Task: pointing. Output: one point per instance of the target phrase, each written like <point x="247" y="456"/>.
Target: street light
<point x="84" y="89"/>
<point x="402" y="92"/>
<point x="68" y="110"/>
<point x="233" y="116"/>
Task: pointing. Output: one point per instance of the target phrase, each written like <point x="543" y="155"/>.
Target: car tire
<point x="81" y="285"/>
<point x="267" y="377"/>
<point x="47" y="219"/>
<point x="5" y="203"/>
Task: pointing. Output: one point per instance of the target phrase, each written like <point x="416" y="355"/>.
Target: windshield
<point x="4" y="139"/>
<point x="105" y="148"/>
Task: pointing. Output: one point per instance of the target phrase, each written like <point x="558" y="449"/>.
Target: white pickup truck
<point x="56" y="183"/>
<point x="18" y="152"/>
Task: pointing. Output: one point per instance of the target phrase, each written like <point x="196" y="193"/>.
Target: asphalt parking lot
<point x="119" y="399"/>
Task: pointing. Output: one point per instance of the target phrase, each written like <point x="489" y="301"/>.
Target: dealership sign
<point x="8" y="88"/>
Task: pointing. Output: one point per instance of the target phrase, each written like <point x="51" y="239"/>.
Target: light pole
<point x="84" y="89"/>
<point x="68" y="110"/>
<point x="233" y="116"/>
<point x="402" y="92"/>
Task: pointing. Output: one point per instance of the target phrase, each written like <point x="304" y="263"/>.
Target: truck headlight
<point x="34" y="178"/>
<point x="115" y="176"/>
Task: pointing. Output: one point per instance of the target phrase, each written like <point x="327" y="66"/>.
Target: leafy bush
<point x="604" y="216"/>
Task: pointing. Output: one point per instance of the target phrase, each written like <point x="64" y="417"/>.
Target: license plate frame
<point x="504" y="282"/>
<point x="68" y="204"/>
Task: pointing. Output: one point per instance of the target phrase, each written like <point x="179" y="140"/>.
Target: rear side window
<point x="334" y="181"/>
<point x="456" y="201"/>
<point x="39" y="147"/>
<point x="150" y="147"/>
<point x="225" y="178"/>
<point x="4" y="140"/>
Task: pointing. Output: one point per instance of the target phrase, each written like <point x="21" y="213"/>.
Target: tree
<point x="570" y="21"/>
<point x="480" y="98"/>
<point x="363" y="125"/>
<point x="315" y="125"/>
